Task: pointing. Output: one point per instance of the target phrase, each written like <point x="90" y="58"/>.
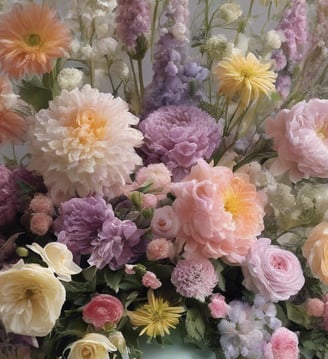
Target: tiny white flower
<point x="70" y="78"/>
<point x="273" y="39"/>
<point x="230" y="12"/>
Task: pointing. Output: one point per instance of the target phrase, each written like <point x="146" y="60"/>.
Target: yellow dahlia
<point x="31" y="37"/>
<point x="157" y="316"/>
<point x="246" y="77"/>
<point x="84" y="143"/>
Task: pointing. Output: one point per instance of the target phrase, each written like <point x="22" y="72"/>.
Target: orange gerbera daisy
<point x="31" y="36"/>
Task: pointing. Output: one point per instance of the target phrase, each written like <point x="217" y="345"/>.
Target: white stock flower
<point x="31" y="299"/>
<point x="91" y="346"/>
<point x="273" y="39"/>
<point x="230" y="12"/>
<point x="58" y="258"/>
<point x="70" y="78"/>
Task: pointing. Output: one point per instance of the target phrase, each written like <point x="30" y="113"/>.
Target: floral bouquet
<point x="187" y="206"/>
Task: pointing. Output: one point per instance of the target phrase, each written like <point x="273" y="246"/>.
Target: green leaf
<point x="35" y="94"/>
<point x="89" y="273"/>
<point x="113" y="279"/>
<point x="297" y="314"/>
<point x="195" y="324"/>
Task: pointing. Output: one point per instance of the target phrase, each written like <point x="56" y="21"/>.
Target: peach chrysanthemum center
<point x="235" y="199"/>
<point x="88" y="126"/>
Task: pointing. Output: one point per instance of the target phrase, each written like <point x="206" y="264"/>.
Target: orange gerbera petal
<point x="12" y="127"/>
<point x="31" y="37"/>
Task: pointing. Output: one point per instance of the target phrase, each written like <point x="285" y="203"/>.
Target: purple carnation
<point x="133" y="20"/>
<point x="178" y="136"/>
<point x="117" y="244"/>
<point x="194" y="278"/>
<point x="79" y="222"/>
<point x="8" y="196"/>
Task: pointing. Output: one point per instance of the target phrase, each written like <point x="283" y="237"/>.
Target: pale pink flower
<point x="271" y="271"/>
<point x="221" y="213"/>
<point x="149" y="200"/>
<point x="40" y="223"/>
<point x="129" y="269"/>
<point x="159" y="248"/>
<point x="314" y="307"/>
<point x="283" y="345"/>
<point x="165" y="222"/>
<point x="84" y="143"/>
<point x="315" y="251"/>
<point x="102" y="309"/>
<point x="150" y="280"/>
<point x="218" y="306"/>
<point x="156" y="175"/>
<point x="42" y="203"/>
<point x="300" y="137"/>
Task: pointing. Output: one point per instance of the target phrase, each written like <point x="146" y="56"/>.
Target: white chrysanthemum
<point x="31" y="299"/>
<point x="84" y="144"/>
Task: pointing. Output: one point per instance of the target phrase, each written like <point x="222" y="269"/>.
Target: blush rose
<point x="273" y="272"/>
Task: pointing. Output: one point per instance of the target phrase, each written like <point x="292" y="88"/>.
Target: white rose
<point x="31" y="299"/>
<point x="58" y="258"/>
<point x="91" y="346"/>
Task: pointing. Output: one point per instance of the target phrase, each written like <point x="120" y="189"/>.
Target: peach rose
<point x="315" y="250"/>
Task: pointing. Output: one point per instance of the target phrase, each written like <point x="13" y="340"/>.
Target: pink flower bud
<point x="40" y="223"/>
<point x="150" y="280"/>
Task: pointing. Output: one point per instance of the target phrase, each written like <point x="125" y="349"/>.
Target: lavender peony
<point x="79" y="221"/>
<point x="178" y="136"/>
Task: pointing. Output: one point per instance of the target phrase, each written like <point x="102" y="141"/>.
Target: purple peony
<point x="117" y="244"/>
<point x="194" y="278"/>
<point x="8" y="196"/>
<point x="79" y="222"/>
<point x="178" y="136"/>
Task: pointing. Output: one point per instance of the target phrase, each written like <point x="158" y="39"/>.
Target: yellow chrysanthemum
<point x="157" y="316"/>
<point x="246" y="77"/>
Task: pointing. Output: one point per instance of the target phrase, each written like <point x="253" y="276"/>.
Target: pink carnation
<point x="159" y="248"/>
<point x="218" y="306"/>
<point x="40" y="223"/>
<point x="300" y="138"/>
<point x="273" y="272"/>
<point x="194" y="278"/>
<point x="42" y="203"/>
<point x="150" y="280"/>
<point x="283" y="345"/>
<point x="314" y="307"/>
<point x="221" y="213"/>
<point x="102" y="309"/>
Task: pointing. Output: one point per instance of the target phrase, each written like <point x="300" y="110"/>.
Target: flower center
<point x="89" y="127"/>
<point x="31" y="292"/>
<point x="322" y="132"/>
<point x="231" y="202"/>
<point x="33" y="40"/>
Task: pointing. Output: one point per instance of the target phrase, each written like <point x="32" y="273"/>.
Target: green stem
<point x="141" y="81"/>
<point x="153" y="26"/>
<point x="135" y="82"/>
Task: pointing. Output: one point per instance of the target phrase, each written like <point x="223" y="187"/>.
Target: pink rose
<point x="165" y="222"/>
<point x="221" y="213"/>
<point x="273" y="272"/>
<point x="102" y="309"/>
<point x="283" y="345"/>
<point x="157" y="175"/>
<point x="300" y="138"/>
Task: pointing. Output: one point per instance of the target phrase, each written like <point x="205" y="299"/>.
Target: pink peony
<point x="221" y="213"/>
<point x="283" y="345"/>
<point x="194" y="278"/>
<point x="300" y="137"/>
<point x="273" y="272"/>
<point x="150" y="280"/>
<point x="102" y="309"/>
<point x="218" y="306"/>
<point x="159" y="248"/>
<point x="165" y="222"/>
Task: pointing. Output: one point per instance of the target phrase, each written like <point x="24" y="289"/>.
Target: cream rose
<point x="315" y="250"/>
<point x="58" y="258"/>
<point x="31" y="299"/>
<point x="91" y="346"/>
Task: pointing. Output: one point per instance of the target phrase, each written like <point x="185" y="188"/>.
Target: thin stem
<point x="135" y="82"/>
<point x="141" y="80"/>
<point x="153" y="25"/>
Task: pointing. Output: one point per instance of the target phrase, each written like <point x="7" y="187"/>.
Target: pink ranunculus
<point x="165" y="222"/>
<point x="300" y="137"/>
<point x="218" y="306"/>
<point x="102" y="309"/>
<point x="283" y="345"/>
<point x="221" y="213"/>
<point x="273" y="272"/>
